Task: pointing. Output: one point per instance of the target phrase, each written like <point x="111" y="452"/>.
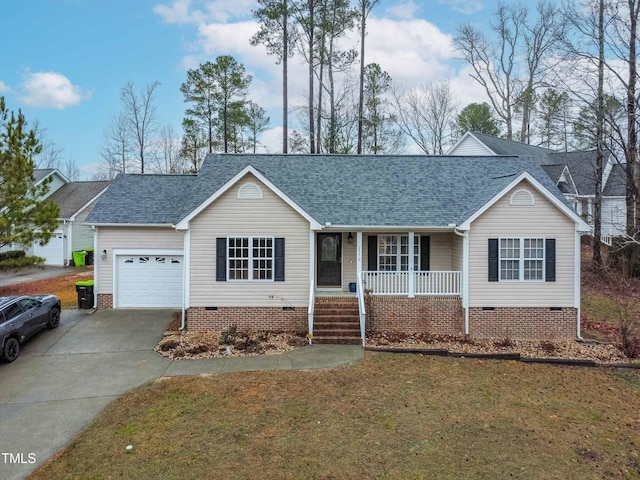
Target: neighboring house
<point x="482" y="246"/>
<point x="572" y="172"/>
<point x="75" y="200"/>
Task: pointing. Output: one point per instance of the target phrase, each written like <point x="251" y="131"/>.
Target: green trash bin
<point x="78" y="258"/>
<point x="84" y="289"/>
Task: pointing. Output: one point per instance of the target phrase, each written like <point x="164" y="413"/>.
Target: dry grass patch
<point x="64" y="286"/>
<point x="388" y="417"/>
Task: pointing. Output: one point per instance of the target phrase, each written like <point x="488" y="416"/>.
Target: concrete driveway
<point x="63" y="378"/>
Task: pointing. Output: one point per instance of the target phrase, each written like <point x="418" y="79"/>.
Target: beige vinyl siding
<point x="457" y="244"/>
<point x="440" y="255"/>
<point x="543" y="220"/>
<point x="229" y="216"/>
<point x="349" y="261"/>
<point x="142" y="238"/>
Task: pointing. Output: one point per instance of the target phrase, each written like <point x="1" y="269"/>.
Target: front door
<point x="329" y="258"/>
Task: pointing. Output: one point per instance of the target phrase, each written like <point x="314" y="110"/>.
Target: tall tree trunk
<point x="312" y="138"/>
<point x="363" y="23"/>
<point x="597" y="207"/>
<point x="632" y="127"/>
<point x="285" y="92"/>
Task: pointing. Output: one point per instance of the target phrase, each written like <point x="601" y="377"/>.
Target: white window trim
<point x="250" y="259"/>
<point x="398" y="255"/>
<point x="521" y="260"/>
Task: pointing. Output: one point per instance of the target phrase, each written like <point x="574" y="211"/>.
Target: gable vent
<point x="522" y="198"/>
<point x="249" y="191"/>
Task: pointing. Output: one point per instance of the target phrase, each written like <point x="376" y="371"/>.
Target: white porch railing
<point x="424" y="283"/>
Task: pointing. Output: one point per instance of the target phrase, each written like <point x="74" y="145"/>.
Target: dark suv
<point x="23" y="316"/>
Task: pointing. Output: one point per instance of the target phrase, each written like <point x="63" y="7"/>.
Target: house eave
<point x="139" y="225"/>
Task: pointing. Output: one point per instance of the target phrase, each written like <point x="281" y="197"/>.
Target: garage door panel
<point x="149" y="281"/>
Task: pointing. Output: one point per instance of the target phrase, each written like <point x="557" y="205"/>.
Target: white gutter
<point x="354" y="228"/>
<point x="312" y="282"/>
<point x="576" y="281"/>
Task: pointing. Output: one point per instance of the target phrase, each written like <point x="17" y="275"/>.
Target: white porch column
<point x="359" y="257"/>
<point x="312" y="279"/>
<point x="410" y="266"/>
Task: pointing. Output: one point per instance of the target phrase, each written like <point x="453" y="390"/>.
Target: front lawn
<point x="390" y="417"/>
<point x="64" y="286"/>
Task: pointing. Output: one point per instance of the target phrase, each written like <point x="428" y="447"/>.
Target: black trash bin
<point x="89" y="257"/>
<point x="84" y="289"/>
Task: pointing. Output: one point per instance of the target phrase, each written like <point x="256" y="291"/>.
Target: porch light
<point x="103" y="256"/>
<point x="350" y="238"/>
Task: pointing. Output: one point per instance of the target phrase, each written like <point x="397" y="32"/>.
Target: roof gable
<point x="184" y="223"/>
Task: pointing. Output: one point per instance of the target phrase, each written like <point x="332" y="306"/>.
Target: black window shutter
<point x="221" y="259"/>
<point x="493" y="259"/>
<point x="550" y="260"/>
<point x="278" y="275"/>
<point x="425" y="247"/>
<point x="372" y="254"/>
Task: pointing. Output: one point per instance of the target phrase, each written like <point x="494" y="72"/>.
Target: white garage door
<point x="53" y="251"/>
<point x="149" y="280"/>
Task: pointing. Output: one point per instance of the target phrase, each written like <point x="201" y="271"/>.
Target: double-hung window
<point x="522" y="259"/>
<point x="250" y="258"/>
<point x="393" y="252"/>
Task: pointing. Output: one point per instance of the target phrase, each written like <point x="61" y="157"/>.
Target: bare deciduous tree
<point x="139" y="112"/>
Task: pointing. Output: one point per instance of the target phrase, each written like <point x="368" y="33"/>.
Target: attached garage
<point x="53" y="251"/>
<point x="149" y="281"/>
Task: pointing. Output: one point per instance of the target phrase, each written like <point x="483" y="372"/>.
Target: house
<point x="483" y="246"/>
<point x="572" y="172"/>
<point x="75" y="200"/>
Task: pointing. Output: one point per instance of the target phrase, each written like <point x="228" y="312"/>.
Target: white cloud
<point x="4" y="88"/>
<point x="468" y="7"/>
<point x="403" y="11"/>
<point x="199" y="12"/>
<point x="51" y="90"/>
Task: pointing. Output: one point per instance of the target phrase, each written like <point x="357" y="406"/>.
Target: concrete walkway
<point x="65" y="377"/>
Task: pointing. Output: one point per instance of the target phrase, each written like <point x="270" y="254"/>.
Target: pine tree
<point x="24" y="217"/>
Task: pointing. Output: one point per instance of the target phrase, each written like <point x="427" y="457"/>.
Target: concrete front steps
<point x="336" y="320"/>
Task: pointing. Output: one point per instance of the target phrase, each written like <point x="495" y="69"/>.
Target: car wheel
<point x="11" y="350"/>
<point x="54" y="318"/>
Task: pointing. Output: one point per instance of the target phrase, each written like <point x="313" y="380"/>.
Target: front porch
<point x="391" y="287"/>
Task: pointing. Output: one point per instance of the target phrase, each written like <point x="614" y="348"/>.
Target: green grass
<point x="389" y="417"/>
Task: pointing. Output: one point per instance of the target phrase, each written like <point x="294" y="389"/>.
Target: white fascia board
<point x="581" y="225"/>
<point x="451" y="151"/>
<point x="54" y="171"/>
<point x="377" y="228"/>
<point x="184" y="223"/>
<point x="73" y="217"/>
<point x="567" y="174"/>
<point x="150" y="225"/>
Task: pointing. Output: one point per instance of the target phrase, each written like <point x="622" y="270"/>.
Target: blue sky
<point x="65" y="61"/>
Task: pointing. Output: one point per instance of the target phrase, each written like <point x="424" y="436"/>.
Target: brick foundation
<point x="247" y="318"/>
<point x="105" y="300"/>
<point x="520" y="323"/>
<point x="435" y="315"/>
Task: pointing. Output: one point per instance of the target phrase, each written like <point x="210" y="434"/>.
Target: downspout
<point x="95" y="266"/>
<point x="186" y="259"/>
<point x="576" y="282"/>
<point x="465" y="274"/>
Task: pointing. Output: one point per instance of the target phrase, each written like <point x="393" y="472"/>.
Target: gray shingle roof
<point x="581" y="166"/>
<point x="616" y="183"/>
<point x="40" y="173"/>
<point x="340" y="189"/>
<point x="500" y="146"/>
<point x="71" y="197"/>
